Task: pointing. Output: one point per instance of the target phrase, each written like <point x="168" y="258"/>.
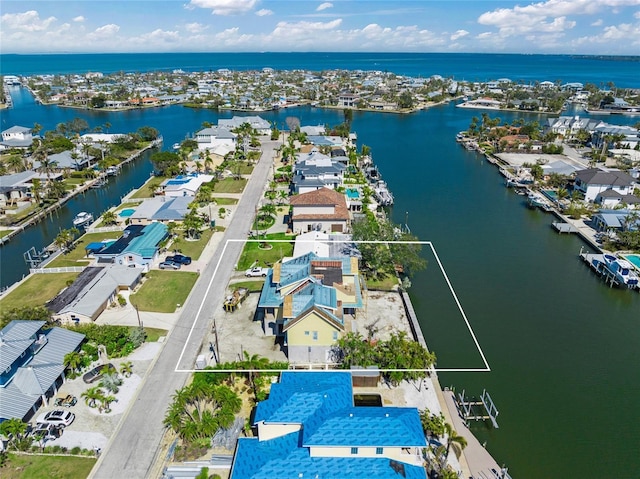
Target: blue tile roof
<point x="369" y="427"/>
<point x="281" y="458"/>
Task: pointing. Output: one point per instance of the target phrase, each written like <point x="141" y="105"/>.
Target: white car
<point x="256" y="272"/>
<point x="57" y="417"/>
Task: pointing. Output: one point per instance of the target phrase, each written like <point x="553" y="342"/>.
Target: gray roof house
<point x="17" y="187"/>
<point x="593" y="181"/>
<point x="92" y="291"/>
<point x="16" y="137"/>
<point x="32" y="365"/>
<point x="161" y="208"/>
<point x="608" y="220"/>
<point x="256" y="122"/>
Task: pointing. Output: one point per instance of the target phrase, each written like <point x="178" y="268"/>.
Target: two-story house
<point x="310" y="301"/>
<point x="16" y="137"/>
<point x="593" y="182"/>
<point x="320" y="210"/>
<point x="309" y="427"/>
<point x="32" y="365"/>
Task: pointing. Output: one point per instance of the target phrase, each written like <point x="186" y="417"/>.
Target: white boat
<point x="176" y="146"/>
<point x="112" y="171"/>
<point x="622" y="269"/>
<point x="82" y="219"/>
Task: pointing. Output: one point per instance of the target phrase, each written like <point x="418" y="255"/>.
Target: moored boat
<point x="82" y="219"/>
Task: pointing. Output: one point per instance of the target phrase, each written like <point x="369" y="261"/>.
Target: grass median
<point x="163" y="291"/>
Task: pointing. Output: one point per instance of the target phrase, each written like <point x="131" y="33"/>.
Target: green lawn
<point x="147" y="190"/>
<point x="226" y="201"/>
<point x="164" y="290"/>
<point x="230" y="185"/>
<point x="386" y="284"/>
<point x="153" y="334"/>
<point x="254" y="286"/>
<point x="76" y="257"/>
<point x="37" y="290"/>
<point x="47" y="467"/>
<point x="252" y="251"/>
<point x="192" y="248"/>
<point x="4" y="232"/>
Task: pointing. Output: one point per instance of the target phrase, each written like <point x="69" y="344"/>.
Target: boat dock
<point x="564" y="227"/>
<point x="600" y="263"/>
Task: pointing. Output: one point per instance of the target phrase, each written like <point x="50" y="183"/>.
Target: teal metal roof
<point x="146" y="244"/>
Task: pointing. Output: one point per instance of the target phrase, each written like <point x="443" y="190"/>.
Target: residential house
<point x="615" y="220"/>
<point x="320" y="210"/>
<point x="611" y="199"/>
<point x="262" y="126"/>
<point x="92" y="292"/>
<point x="309" y="427"/>
<point x="629" y="137"/>
<point x="347" y="100"/>
<point x="16" y="188"/>
<point x="593" y="181"/>
<point x="32" y="366"/>
<point x="212" y="137"/>
<point x="316" y="170"/>
<point x="70" y="160"/>
<point x="138" y="245"/>
<point x="184" y="185"/>
<point x="16" y="137"/>
<point x="569" y="126"/>
<point x="161" y="208"/>
<point x="310" y="301"/>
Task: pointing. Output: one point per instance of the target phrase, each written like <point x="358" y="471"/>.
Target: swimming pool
<point x="551" y="194"/>
<point x="352" y="193"/>
<point x="126" y="213"/>
<point x="633" y="259"/>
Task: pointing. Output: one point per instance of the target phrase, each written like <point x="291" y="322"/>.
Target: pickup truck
<point x="253" y="272"/>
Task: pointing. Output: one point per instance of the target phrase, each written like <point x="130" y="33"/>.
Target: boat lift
<point x="478" y="410"/>
<point x="33" y="258"/>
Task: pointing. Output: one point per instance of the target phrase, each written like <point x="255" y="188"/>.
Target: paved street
<point x="133" y="450"/>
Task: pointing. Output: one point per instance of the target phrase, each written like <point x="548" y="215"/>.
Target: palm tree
<point x="92" y="395"/>
<point x="106" y="402"/>
<point x="111" y="382"/>
<point x="14" y="429"/>
<point x="15" y="163"/>
<point x="109" y="218"/>
<point x="453" y="439"/>
<point x="73" y="360"/>
<point x="126" y="369"/>
<point x="37" y="189"/>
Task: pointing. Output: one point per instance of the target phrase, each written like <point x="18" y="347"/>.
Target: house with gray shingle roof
<point x="16" y="137"/>
<point x="32" y="365"/>
<point x="594" y="181"/>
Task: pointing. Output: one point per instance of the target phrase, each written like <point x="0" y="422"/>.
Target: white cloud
<point x="79" y="19"/>
<point x="195" y="27"/>
<point x="637" y="15"/>
<point x="459" y="34"/>
<point x="547" y="16"/>
<point x="27" y="22"/>
<point x="264" y="12"/>
<point x="104" y="32"/>
<point x="225" y="7"/>
<point x="597" y="23"/>
<point x="324" y="6"/>
<point x="160" y="36"/>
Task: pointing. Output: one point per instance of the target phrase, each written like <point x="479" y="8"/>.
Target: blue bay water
<point x="563" y="348"/>
<point x="623" y="71"/>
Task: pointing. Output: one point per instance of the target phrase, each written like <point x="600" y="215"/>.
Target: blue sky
<point x="548" y="26"/>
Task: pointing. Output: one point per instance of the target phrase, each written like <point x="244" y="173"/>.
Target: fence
<point x="68" y="269"/>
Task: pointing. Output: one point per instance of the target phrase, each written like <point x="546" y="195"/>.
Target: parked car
<point x="66" y="401"/>
<point x="57" y="417"/>
<point x="46" y="431"/>
<point x="179" y="258"/>
<point x="169" y="265"/>
<point x="256" y="272"/>
<point x="97" y="372"/>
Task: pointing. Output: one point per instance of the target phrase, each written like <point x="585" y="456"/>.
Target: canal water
<point x="562" y="347"/>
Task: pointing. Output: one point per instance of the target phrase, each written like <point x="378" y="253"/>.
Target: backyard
<point x="37" y="290"/>
<point x="148" y="189"/>
<point x="77" y="256"/>
<point x="164" y="291"/>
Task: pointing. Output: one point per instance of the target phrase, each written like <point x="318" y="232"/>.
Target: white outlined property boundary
<point x="487" y="368"/>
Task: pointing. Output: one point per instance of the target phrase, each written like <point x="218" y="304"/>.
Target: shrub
<point x="137" y="337"/>
<point x="76" y="450"/>
<point x="121" y="300"/>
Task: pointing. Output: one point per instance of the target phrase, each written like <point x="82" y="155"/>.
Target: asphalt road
<point x="133" y="450"/>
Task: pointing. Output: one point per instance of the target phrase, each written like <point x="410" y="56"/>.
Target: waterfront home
<point x="212" y="137"/>
<point x="625" y="136"/>
<point x="138" y="245"/>
<point x="348" y="100"/>
<point x="16" y="137"/>
<point x="32" y="366"/>
<point x="309" y="427"/>
<point x="16" y="189"/>
<point x="262" y="126"/>
<point x="316" y="170"/>
<point x="311" y="301"/>
<point x="92" y="292"/>
<point x="611" y="199"/>
<point x="615" y="220"/>
<point x="324" y="244"/>
<point x="161" y="208"/>
<point x="320" y="210"/>
<point x="593" y="181"/>
<point x="569" y="126"/>
<point x="184" y="185"/>
<point x="69" y="160"/>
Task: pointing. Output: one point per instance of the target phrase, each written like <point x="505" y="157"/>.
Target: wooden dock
<point x="564" y="227"/>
